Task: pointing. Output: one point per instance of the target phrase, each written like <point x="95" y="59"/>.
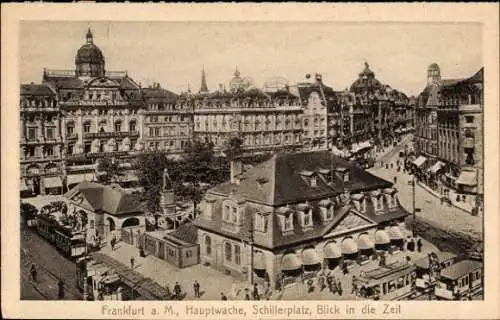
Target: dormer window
<point x="359" y="202"/>
<point x="327" y="209"/>
<point x="390" y="194"/>
<point x="209" y="207"/>
<point x="305" y="211"/>
<point x="313" y="181"/>
<point x="343" y="173"/>
<point x="261" y="221"/>
<point x="309" y="177"/>
<point x="231" y="212"/>
<point x="285" y="215"/>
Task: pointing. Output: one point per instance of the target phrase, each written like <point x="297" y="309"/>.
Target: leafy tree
<point x="28" y="211"/>
<point x="109" y="171"/>
<point x="234" y="148"/>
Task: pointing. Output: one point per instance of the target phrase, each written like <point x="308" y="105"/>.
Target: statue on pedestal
<point x="167" y="182"/>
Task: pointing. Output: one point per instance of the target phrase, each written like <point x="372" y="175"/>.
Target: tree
<point x="108" y="171"/>
<point x="28" y="212"/>
<point x="234" y="148"/>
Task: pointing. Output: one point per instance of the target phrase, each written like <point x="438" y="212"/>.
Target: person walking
<point x="256" y="295"/>
<point x="395" y="179"/>
<point x="223" y="296"/>
<point x="60" y="290"/>
<point x="354" y="286"/>
<point x="196" y="287"/>
<point x="177" y="291"/>
<point x="132" y="262"/>
<point x="33" y="272"/>
<point x="339" y="287"/>
<point x="113" y="243"/>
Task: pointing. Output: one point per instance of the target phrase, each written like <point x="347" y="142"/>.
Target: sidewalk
<point x="212" y="282"/>
<point x="464" y="206"/>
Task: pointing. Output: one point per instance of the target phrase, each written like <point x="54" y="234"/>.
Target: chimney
<point x="236" y="170"/>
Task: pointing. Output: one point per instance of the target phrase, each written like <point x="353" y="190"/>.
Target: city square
<point x="275" y="189"/>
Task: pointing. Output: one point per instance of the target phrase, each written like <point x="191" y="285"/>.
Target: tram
<point x="71" y="244"/>
<point x="460" y="281"/>
<point x="428" y="268"/>
<point x="98" y="280"/>
<point x="390" y="282"/>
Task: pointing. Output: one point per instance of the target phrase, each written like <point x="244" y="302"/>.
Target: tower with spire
<point x="204" y="87"/>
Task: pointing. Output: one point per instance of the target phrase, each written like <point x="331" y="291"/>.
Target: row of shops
<point x="35" y="185"/>
<point x="436" y="173"/>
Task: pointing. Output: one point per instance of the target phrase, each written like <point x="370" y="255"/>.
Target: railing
<point x="39" y="109"/>
<point x="116" y="134"/>
<point x="93" y="103"/>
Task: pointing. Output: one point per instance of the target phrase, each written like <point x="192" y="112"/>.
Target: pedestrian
<point x="256" y="295"/>
<point x="60" y="290"/>
<point x="329" y="281"/>
<point x="247" y="294"/>
<point x="113" y="242"/>
<point x="223" y="296"/>
<point x="177" y="291"/>
<point x="196" y="287"/>
<point x="33" y="272"/>
<point x="132" y="261"/>
<point x="395" y="179"/>
<point x="141" y="251"/>
<point x="354" y="286"/>
<point x="334" y="288"/>
<point x="339" y="287"/>
<point x="419" y="245"/>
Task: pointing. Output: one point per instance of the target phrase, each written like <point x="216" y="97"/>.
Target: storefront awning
<point x="291" y="262"/>
<point x="23" y="186"/>
<point x="419" y="161"/>
<point x="381" y="237"/>
<point x="467" y="178"/>
<point x="364" y="242"/>
<point x="310" y="257"/>
<point x="52" y="182"/>
<point x="259" y="261"/>
<point x="395" y="233"/>
<point x="332" y="251"/>
<point x="436" y="167"/>
<point x="349" y="246"/>
<point x="77" y="178"/>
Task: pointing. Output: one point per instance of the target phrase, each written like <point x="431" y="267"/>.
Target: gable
<point x="81" y="200"/>
<point x="351" y="221"/>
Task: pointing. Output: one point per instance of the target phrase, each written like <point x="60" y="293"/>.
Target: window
<point x="307" y="218"/>
<point x="234" y="214"/>
<point x="226" y="212"/>
<point x="208" y="245"/>
<point x="87" y="147"/>
<point x="237" y="254"/>
<point x="118" y="126"/>
<point x="189" y="254"/>
<point x="288" y="222"/>
<point x="31" y="133"/>
<point x="151" y="132"/>
<point x="49" y="133"/>
<point x="49" y="151"/>
<point x="228" y="251"/>
<point x="31" y="151"/>
<point x="70" y="149"/>
<point x="70" y="129"/>
<point x="469" y="119"/>
<point x="313" y="181"/>
<point x="260" y="222"/>
<point x="132" y="126"/>
<point x="86" y="127"/>
<point x="380" y="202"/>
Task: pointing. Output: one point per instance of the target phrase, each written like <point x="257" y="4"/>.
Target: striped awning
<point x="77" y="178"/>
<point x="332" y="251"/>
<point x="467" y="178"/>
<point x="52" y="182"/>
<point x="291" y="262"/>
<point x="364" y="242"/>
<point x="436" y="167"/>
<point x="259" y="261"/>
<point x="395" y="233"/>
<point x="381" y="237"/>
<point x="349" y="246"/>
<point x="310" y="257"/>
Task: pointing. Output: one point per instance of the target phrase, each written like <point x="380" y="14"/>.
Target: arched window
<point x="86" y="126"/>
<point x="70" y="128"/>
<point x="208" y="245"/>
<point x="132" y="126"/>
<point x="118" y="126"/>
<point x="228" y="252"/>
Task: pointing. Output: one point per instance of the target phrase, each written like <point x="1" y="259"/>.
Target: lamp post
<point x="415" y="209"/>
<point x="250" y="242"/>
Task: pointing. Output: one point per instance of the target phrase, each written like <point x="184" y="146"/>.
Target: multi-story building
<point x="264" y="121"/>
<point x="460" y="133"/>
<point x="301" y="213"/>
<point x="168" y="120"/>
<point x="41" y="143"/>
<point x="316" y="99"/>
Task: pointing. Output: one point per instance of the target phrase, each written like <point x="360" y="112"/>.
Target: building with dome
<point x="96" y="114"/>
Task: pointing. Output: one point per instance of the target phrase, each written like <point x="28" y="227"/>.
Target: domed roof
<point x="434" y="66"/>
<point x="89" y="52"/>
<point x="366" y="82"/>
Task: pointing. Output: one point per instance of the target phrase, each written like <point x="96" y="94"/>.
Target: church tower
<point x="204" y="87"/>
<point x="433" y="74"/>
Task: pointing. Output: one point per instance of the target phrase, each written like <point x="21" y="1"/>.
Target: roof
<point x="460" y="269"/>
<point x="287" y="185"/>
<point x="65" y="82"/>
<point x="423" y="263"/>
<point x="158" y="93"/>
<point x="186" y="232"/>
<point x="98" y="197"/>
<point x="33" y="89"/>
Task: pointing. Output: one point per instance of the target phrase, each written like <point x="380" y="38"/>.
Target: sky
<point x="174" y="53"/>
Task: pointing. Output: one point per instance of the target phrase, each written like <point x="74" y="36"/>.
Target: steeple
<point x="90" y="37"/>
<point x="236" y="73"/>
<point x="204" y="87"/>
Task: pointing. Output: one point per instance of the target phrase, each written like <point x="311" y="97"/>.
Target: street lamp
<point x="415" y="210"/>
<point x="250" y="242"/>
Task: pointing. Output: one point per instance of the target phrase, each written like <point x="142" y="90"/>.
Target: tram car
<point x="390" y="282"/>
<point x="71" y="244"/>
<point x="429" y="267"/>
<point x="98" y="280"/>
<point x="460" y="281"/>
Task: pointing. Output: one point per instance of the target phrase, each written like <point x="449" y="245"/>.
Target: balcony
<point x="39" y="109"/>
<point x="73" y="136"/>
<point x="107" y="135"/>
<point x="93" y="103"/>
